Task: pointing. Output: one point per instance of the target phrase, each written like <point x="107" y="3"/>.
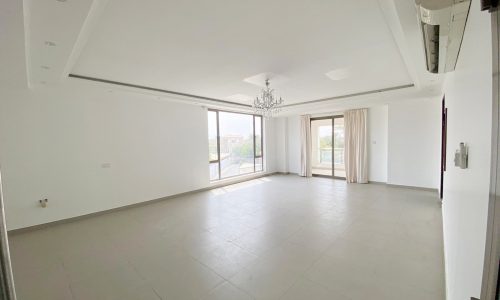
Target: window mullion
<point x="254" y="150"/>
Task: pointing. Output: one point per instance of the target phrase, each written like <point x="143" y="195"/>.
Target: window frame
<point x="255" y="156"/>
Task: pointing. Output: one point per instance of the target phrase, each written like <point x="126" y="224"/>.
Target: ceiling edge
<point x="391" y="17"/>
<point x="153" y="89"/>
<point x="27" y="54"/>
<point x="399" y="87"/>
<point x="88" y="25"/>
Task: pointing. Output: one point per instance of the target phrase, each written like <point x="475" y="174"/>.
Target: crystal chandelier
<point x="267" y="105"/>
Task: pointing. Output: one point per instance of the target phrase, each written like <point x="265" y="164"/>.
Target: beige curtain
<point x="305" y="146"/>
<point x="356" y="156"/>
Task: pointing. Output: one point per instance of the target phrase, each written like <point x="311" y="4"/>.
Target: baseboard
<point x="211" y="187"/>
<point x="377" y="182"/>
<point x="287" y="173"/>
<point x="412" y="187"/>
<point x="112" y="210"/>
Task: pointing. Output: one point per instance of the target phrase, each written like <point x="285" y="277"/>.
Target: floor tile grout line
<point x="290" y="211"/>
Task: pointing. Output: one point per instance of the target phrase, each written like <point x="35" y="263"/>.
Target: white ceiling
<point x="13" y="71"/>
<point x="222" y="49"/>
<point x="208" y="48"/>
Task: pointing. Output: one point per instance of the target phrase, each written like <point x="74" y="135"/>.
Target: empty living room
<point x="239" y="150"/>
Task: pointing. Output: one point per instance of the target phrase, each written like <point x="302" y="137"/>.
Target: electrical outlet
<point x="43" y="202"/>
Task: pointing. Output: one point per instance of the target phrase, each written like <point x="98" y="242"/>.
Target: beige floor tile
<point x="227" y="291"/>
<point x="264" y="280"/>
<point x="190" y="281"/>
<point x="307" y="289"/>
<point x="49" y="283"/>
<point x="279" y="237"/>
<point x="226" y="259"/>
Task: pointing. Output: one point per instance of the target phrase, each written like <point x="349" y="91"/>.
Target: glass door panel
<point x="338" y="147"/>
<point x="321" y="140"/>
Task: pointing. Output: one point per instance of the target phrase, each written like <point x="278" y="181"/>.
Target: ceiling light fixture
<point x="339" y="74"/>
<point x="267" y="105"/>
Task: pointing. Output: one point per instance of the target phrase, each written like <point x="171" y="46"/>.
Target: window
<point x="235" y="144"/>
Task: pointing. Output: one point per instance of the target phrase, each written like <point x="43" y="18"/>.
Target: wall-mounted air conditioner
<point x="443" y="25"/>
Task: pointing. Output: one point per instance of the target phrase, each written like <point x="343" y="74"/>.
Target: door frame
<point x="490" y="283"/>
<point x="7" y="287"/>
<point x="333" y="142"/>
<point x="444" y="132"/>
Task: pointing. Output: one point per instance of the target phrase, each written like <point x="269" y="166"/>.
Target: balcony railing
<point x="325" y="155"/>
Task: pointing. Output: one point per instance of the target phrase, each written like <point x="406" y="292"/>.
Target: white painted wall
<point x="281" y="144"/>
<point x="414" y="143"/>
<point x="377" y="143"/>
<point x="465" y="204"/>
<point x="54" y="140"/>
<point x="293" y="147"/>
<point x="270" y="146"/>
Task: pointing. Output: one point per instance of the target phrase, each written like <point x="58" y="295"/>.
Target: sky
<point x="231" y="124"/>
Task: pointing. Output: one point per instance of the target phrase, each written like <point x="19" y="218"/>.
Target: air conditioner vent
<point x="443" y="24"/>
<point x="431" y="34"/>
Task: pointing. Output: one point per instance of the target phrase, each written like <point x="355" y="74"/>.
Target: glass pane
<point x="258" y="164"/>
<point x="214" y="171"/>
<point x="338" y="147"/>
<point x="212" y="135"/>
<point x="258" y="136"/>
<point x="236" y="144"/>
<point x="321" y="154"/>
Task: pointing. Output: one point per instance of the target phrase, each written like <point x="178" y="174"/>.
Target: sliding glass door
<point x="321" y="154"/>
<point x="327" y="153"/>
<point x="338" y="147"/>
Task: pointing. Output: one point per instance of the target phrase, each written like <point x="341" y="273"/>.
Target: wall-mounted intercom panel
<point x="462" y="156"/>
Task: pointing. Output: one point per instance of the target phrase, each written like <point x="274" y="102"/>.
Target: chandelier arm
<point x="267" y="104"/>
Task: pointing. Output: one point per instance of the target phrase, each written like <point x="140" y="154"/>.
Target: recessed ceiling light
<point x="339" y="74"/>
<point x="45" y="67"/>
<point x="50" y="43"/>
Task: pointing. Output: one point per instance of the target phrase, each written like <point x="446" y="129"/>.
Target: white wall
<point x="270" y="147"/>
<point x="55" y="140"/>
<point x="377" y="143"/>
<point x="293" y="145"/>
<point x="281" y="144"/>
<point x="414" y="143"/>
<point x="465" y="204"/>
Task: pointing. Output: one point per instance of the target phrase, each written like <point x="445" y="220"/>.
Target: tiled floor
<point x="279" y="237"/>
<point x="339" y="172"/>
